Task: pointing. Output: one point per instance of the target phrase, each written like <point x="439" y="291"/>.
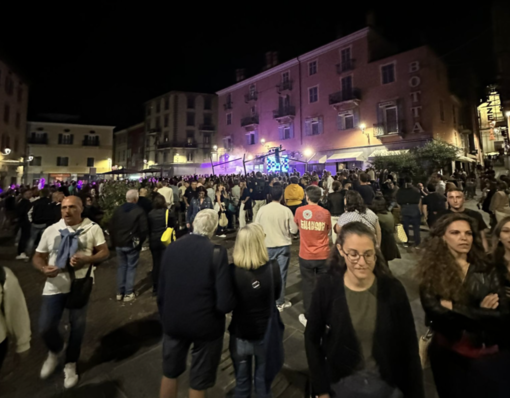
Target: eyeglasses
<point x="354" y="256"/>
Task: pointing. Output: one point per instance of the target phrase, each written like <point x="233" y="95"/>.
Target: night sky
<point x="103" y="60"/>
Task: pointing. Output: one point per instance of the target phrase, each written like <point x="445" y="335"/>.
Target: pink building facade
<point x="340" y="105"/>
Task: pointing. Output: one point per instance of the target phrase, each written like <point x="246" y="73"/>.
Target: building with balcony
<point x="13" y="119"/>
<point x="315" y="105"/>
<point x="180" y="128"/>
<point x="62" y="151"/>
<point x="128" y="149"/>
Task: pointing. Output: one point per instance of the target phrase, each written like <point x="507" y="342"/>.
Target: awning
<point x="346" y="157"/>
<point x="465" y="159"/>
<point x="385" y="152"/>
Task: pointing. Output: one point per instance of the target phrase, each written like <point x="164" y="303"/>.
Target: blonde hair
<point x="250" y="249"/>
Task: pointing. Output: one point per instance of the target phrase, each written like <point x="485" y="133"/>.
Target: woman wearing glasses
<point x="467" y="310"/>
<point x="360" y="338"/>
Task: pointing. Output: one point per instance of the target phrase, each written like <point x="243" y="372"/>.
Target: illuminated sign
<point x="273" y="167"/>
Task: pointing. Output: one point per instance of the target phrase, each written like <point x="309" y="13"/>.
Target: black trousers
<point x="157" y="256"/>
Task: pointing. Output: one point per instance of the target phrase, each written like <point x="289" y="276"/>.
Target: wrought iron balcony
<point x="177" y="144"/>
<point x="345" y="95"/>
<point x="345" y="66"/>
<point x="153" y="131"/>
<point x="284" y="86"/>
<point x="38" y="140"/>
<point x="207" y="127"/>
<point x="251" y="96"/>
<point x="228" y="105"/>
<point x="284" y="112"/>
<point x="249" y="121"/>
<point x="94" y="142"/>
<point x="389" y="128"/>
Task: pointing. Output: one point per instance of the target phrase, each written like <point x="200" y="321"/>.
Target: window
<point x="312" y="68"/>
<point x="313" y="94"/>
<point x="7" y="111"/>
<point x="20" y="93"/>
<point x="189" y="156"/>
<point x="190" y="119"/>
<point x="62" y="161"/>
<point x="167" y="103"/>
<point x="388" y="73"/>
<point x="285" y="77"/>
<point x="208" y="120"/>
<point x="229" y="119"/>
<point x="207" y="103"/>
<point x="90" y="161"/>
<point x="441" y="110"/>
<point x="65" y="139"/>
<point x="191" y="103"/>
<point x="37" y="161"/>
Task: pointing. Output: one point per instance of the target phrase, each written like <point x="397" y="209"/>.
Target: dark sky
<point x="102" y="60"/>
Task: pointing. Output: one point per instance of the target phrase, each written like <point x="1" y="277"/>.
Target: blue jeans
<point x="282" y="255"/>
<point x="126" y="271"/>
<point x="52" y="310"/>
<point x="242" y="353"/>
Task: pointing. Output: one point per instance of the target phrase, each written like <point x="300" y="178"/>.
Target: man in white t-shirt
<point x="91" y="249"/>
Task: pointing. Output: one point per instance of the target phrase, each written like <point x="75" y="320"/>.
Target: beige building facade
<point x="13" y="119"/>
<point x="62" y="151"/>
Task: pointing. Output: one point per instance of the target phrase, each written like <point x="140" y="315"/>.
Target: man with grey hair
<point x="195" y="291"/>
<point x="128" y="229"/>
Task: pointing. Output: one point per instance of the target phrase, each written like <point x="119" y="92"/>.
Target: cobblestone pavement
<point x="121" y="355"/>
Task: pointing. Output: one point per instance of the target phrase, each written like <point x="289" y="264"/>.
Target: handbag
<point x="273" y="339"/>
<point x="423" y="348"/>
<point x="400" y="234"/>
<point x="364" y="385"/>
<point x="81" y="288"/>
<point x="169" y="234"/>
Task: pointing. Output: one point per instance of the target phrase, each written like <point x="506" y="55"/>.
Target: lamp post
<point x="362" y="126"/>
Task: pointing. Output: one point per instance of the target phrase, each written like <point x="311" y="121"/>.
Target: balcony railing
<point x="389" y="128"/>
<point x="177" y="144"/>
<point x="251" y="96"/>
<point x="345" y="66"/>
<point x="91" y="142"/>
<point x="207" y="127"/>
<point x="153" y="131"/>
<point x="284" y="111"/>
<point x="345" y="95"/>
<point x="228" y="105"/>
<point x="250" y="120"/>
<point x="284" y="86"/>
<point x="38" y="140"/>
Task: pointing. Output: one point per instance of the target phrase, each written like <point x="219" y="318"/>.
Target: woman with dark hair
<point x="389" y="247"/>
<point x="157" y="226"/>
<point x="500" y="253"/>
<point x="356" y="210"/>
<point x="466" y="309"/>
<point x="197" y="204"/>
<point x="360" y="338"/>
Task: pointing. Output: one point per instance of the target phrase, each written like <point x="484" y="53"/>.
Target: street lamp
<point x="363" y="126"/>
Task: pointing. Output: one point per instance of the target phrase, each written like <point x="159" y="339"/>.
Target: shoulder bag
<point x="81" y="288"/>
<point x="169" y="234"/>
<point x="273" y="339"/>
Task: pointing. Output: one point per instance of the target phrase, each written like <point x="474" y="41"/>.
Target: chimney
<point x="275" y="58"/>
<point x="239" y="75"/>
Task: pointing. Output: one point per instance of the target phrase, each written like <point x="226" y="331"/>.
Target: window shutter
<point x="60" y="138"/>
<point x="320" y="125"/>
<point x="72" y="139"/>
<point x="340" y="122"/>
<point x="308" y="130"/>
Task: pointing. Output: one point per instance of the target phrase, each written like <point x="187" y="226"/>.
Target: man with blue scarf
<point x="71" y="242"/>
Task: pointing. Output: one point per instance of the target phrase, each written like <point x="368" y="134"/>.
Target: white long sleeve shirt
<point x="14" y="319"/>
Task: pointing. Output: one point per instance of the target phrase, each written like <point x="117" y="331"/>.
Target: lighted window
<point x="313" y="94"/>
<point x="388" y="74"/>
<point x="312" y="68"/>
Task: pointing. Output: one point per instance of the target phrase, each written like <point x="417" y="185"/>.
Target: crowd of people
<point x="360" y="337"/>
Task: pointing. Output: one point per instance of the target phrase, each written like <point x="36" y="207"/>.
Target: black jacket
<point x="157" y="226"/>
<point x="194" y="294"/>
<point x="335" y="203"/>
<point x="42" y="212"/>
<point x="332" y="347"/>
<point x="484" y="326"/>
<point x="129" y="221"/>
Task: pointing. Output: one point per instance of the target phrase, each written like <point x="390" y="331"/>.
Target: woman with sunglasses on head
<point x="466" y="309"/>
<point x="360" y="338"/>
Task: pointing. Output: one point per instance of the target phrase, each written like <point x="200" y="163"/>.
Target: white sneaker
<point x="286" y="304"/>
<point x="303" y="320"/>
<point x="22" y="256"/>
<point x="129" y="297"/>
<point x="49" y="365"/>
<point x="70" y="378"/>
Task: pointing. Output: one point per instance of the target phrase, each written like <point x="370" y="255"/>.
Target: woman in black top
<point x="257" y="284"/>
<point x="467" y="310"/>
<point x="157" y="226"/>
<point x="360" y="332"/>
